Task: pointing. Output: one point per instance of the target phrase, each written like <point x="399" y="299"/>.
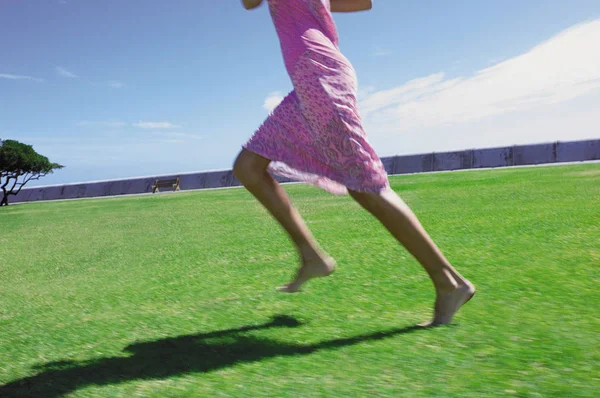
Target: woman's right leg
<point x="251" y="170"/>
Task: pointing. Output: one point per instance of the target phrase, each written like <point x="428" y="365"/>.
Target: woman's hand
<point x="350" y="5"/>
<point x="250" y="4"/>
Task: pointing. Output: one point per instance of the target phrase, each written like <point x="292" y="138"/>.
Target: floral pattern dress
<point x="315" y="134"/>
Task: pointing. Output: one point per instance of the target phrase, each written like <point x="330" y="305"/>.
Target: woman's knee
<point x="249" y="167"/>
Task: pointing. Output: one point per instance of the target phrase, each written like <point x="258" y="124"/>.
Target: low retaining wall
<point x="556" y="152"/>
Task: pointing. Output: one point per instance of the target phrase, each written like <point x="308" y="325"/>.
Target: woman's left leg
<point x="452" y="289"/>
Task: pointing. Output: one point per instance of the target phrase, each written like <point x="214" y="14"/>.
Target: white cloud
<point x="414" y="89"/>
<point x="115" y="84"/>
<point x="111" y="83"/>
<point x="19" y="77"/>
<point x="170" y="141"/>
<point x="363" y="92"/>
<point x="512" y="93"/>
<point x="272" y="100"/>
<point x="496" y="60"/>
<point x="156" y="125"/>
<point x="111" y="124"/>
<point x="65" y="73"/>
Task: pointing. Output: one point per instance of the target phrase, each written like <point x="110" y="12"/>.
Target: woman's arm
<point x="250" y="4"/>
<point x="350" y="5"/>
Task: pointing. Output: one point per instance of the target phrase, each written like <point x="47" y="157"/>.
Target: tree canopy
<point x="19" y="164"/>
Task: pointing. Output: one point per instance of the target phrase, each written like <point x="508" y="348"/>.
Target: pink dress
<point x="315" y="135"/>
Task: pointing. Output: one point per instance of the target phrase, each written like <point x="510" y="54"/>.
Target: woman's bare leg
<point x="452" y="290"/>
<point x="251" y="170"/>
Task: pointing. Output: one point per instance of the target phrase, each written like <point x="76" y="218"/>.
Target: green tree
<point x="19" y="164"/>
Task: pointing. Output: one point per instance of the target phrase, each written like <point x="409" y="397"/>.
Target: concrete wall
<point x="468" y="159"/>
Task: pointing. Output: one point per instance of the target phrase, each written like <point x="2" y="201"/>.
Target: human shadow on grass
<point x="175" y="356"/>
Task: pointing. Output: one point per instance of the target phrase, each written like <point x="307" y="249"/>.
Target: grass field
<point x="173" y="295"/>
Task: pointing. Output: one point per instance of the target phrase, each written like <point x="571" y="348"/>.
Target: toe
<point x="289" y="288"/>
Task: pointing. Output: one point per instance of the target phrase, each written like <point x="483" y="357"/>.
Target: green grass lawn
<point x="173" y="295"/>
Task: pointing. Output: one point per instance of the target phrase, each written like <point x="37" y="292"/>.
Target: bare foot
<point x="447" y="304"/>
<point x="315" y="267"/>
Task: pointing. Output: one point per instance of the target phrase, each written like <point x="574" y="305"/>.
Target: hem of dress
<point x="281" y="168"/>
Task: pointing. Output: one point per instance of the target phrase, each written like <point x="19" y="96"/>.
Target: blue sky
<point x="116" y="89"/>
